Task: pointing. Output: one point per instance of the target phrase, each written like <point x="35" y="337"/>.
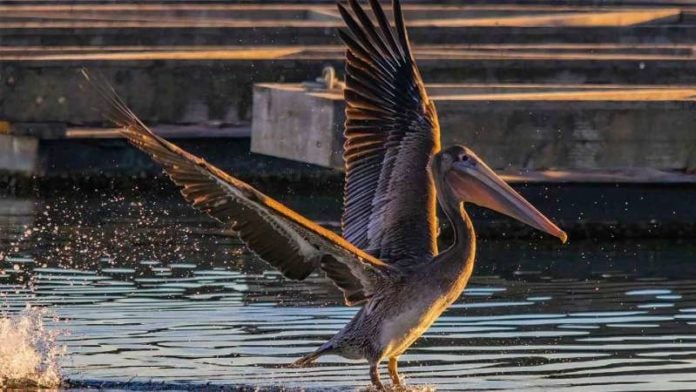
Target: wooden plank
<point x="200" y="55"/>
<point x="616" y="95"/>
<point x="445" y="18"/>
<point x="166" y="131"/>
<point x="552" y="53"/>
<point x="624" y="176"/>
<point x="411" y="10"/>
<point x="540" y="93"/>
<point x="584" y="19"/>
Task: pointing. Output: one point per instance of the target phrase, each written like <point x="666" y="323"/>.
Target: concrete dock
<point x="560" y="96"/>
<point x="529" y="127"/>
<point x="264" y="24"/>
<point x="215" y="52"/>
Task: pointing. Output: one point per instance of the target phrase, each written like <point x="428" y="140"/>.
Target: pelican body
<point x="387" y="260"/>
<point x="408" y="304"/>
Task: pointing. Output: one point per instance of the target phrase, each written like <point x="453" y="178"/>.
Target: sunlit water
<point x="146" y="294"/>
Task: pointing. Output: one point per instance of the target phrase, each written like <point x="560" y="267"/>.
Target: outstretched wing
<point x="288" y="241"/>
<point x="391" y="133"/>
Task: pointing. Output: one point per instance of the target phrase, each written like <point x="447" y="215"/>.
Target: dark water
<point x="154" y="294"/>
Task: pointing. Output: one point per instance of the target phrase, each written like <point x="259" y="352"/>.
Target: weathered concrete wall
<point x="267" y="24"/>
<point x="19" y="153"/>
<point x="279" y="113"/>
<point x="160" y="93"/>
<point x="208" y="91"/>
<point x="656" y="3"/>
<point x="574" y="135"/>
<point x="184" y="63"/>
<point x="190" y="84"/>
<point x="573" y="128"/>
<point x="324" y="35"/>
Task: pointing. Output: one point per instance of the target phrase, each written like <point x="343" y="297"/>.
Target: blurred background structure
<point x="589" y="102"/>
<point x="586" y="106"/>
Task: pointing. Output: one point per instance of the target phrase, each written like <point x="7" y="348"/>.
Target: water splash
<point x="403" y="388"/>
<point x="29" y="352"/>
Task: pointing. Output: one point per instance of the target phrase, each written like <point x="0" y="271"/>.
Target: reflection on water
<point x="157" y="294"/>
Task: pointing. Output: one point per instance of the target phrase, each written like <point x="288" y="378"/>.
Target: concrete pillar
<point x="19" y="154"/>
<point x="289" y="122"/>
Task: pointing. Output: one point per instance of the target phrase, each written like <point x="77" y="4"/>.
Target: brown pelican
<point x="387" y="260"/>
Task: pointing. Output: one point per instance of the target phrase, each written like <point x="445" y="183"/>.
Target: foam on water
<point x="405" y="388"/>
<point x="29" y="352"/>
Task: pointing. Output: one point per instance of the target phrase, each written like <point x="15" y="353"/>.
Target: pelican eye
<point x="465" y="158"/>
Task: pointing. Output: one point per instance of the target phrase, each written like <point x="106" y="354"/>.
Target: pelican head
<point x="470" y="180"/>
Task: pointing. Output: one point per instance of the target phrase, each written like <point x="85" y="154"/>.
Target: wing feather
<point x="291" y="243"/>
<point x="391" y="133"/>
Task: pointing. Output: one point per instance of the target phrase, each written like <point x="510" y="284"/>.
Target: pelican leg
<point x="374" y="376"/>
<point x="394" y="371"/>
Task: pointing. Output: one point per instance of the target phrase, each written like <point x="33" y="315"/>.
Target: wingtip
<point x="401" y="28"/>
<point x="345" y="14"/>
<point x="114" y="109"/>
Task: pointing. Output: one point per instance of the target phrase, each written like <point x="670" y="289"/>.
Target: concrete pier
<point x="18" y="154"/>
<point x="531" y="127"/>
<point x="259" y="24"/>
<point x="195" y="63"/>
<point x="587" y="102"/>
<point x="194" y="85"/>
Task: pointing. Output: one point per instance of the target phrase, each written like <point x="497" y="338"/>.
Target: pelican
<point x="387" y="260"/>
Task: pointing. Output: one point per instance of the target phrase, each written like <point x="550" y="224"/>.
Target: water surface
<point x="153" y="295"/>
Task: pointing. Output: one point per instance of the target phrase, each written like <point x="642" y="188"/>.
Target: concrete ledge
<point x="39" y="130"/>
<point x="622" y="176"/>
<point x="271" y="24"/>
<point x="19" y="154"/>
<point x="589" y="204"/>
<point x="301" y="127"/>
<point x="528" y="127"/>
<point x="45" y="84"/>
<point x="191" y="12"/>
<point x="166" y="131"/>
<point x="18" y="17"/>
<point x="323" y="35"/>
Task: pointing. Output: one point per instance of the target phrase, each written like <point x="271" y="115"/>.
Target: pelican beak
<point x="473" y="181"/>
